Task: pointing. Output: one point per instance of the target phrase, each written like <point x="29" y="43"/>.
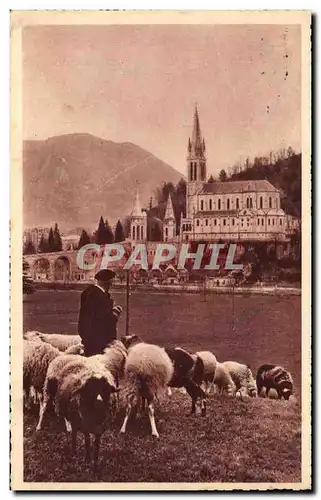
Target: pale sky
<point x="139" y="84"/>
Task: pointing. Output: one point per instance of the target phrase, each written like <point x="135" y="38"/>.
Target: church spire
<point x="137" y="209"/>
<point x="196" y="146"/>
<point x="169" y="212"/>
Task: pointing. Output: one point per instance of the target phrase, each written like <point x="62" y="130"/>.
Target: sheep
<point x="82" y="399"/>
<point x="113" y="359"/>
<point x="37" y="355"/>
<point x="189" y="374"/>
<point x="148" y="371"/>
<point x="58" y="340"/>
<point x="242" y="377"/>
<point x="275" y="377"/>
<point x="210" y="363"/>
<point x="223" y="380"/>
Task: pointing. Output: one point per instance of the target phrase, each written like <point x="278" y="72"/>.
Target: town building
<point x="35" y="234"/>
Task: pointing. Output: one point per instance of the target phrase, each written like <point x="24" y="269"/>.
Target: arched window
<point x="166" y="231"/>
<point x="191" y="171"/>
<point x="142" y="232"/>
<point x="228" y="203"/>
<point x="137" y="230"/>
<point x="210" y="204"/>
<point x="219" y="204"/>
<point x="276" y="203"/>
<point x="261" y="201"/>
<point x="237" y="203"/>
<point x="133" y="232"/>
<point x="251" y="203"/>
<point x="270" y="202"/>
<point x="202" y="204"/>
<point x="247" y="202"/>
<point x="197" y="222"/>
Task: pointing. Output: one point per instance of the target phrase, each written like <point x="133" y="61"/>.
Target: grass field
<point x="251" y="441"/>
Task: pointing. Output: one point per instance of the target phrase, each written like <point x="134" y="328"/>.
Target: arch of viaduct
<point x="57" y="266"/>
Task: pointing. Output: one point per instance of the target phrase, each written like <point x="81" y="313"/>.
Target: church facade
<point x="229" y="211"/>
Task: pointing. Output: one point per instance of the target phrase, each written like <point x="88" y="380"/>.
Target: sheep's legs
<point x="152" y="419"/>
<point x="87" y="447"/>
<point x="96" y="451"/>
<point x="73" y="441"/>
<point x="43" y="408"/>
<point x="128" y="410"/>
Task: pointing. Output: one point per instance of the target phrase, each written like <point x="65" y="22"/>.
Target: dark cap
<point x="105" y="275"/>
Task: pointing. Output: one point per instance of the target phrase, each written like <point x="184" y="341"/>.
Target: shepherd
<point x="98" y="317"/>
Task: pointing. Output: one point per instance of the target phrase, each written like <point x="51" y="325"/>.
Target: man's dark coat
<point x="96" y="323"/>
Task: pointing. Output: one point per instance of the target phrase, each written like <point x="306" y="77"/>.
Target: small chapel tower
<point x="169" y="226"/>
<point x="138" y="222"/>
<point x="196" y="165"/>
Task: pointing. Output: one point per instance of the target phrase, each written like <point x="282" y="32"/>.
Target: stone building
<point x="232" y="210"/>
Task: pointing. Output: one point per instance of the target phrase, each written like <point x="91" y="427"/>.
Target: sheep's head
<point x="32" y="335"/>
<point x="99" y="386"/>
<point x="286" y="393"/>
<point x="76" y="349"/>
<point x="130" y="340"/>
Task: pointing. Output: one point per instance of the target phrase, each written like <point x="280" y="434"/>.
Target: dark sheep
<point x="274" y="377"/>
<point x="188" y="373"/>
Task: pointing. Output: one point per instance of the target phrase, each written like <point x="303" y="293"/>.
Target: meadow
<point x="238" y="441"/>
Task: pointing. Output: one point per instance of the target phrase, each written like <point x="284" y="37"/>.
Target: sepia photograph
<point x="160" y="250"/>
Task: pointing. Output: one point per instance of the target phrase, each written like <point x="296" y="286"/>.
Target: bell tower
<point x="196" y="165"/>
<point x="138" y="222"/>
<point x="169" y="227"/>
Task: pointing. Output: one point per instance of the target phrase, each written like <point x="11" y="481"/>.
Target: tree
<point x="27" y="281"/>
<point x="28" y="248"/>
<point x="119" y="232"/>
<point x="109" y="233"/>
<point x="43" y="245"/>
<point x="57" y="239"/>
<point x="51" y="241"/>
<point x="211" y="179"/>
<point x="223" y="176"/>
<point x="84" y="239"/>
<point x="104" y="234"/>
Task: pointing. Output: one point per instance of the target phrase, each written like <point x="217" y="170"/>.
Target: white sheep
<point x="242" y="377"/>
<point x="223" y="380"/>
<point x="148" y="370"/>
<point x="37" y="355"/>
<point x="58" y="340"/>
<point x="82" y="399"/>
<point x="113" y="360"/>
<point x="210" y="363"/>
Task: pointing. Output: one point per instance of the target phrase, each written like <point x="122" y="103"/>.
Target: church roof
<point x="237" y="187"/>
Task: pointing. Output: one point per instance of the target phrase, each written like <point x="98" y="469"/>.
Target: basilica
<point x="227" y="211"/>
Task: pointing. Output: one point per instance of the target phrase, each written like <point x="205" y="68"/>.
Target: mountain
<point x="74" y="179"/>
